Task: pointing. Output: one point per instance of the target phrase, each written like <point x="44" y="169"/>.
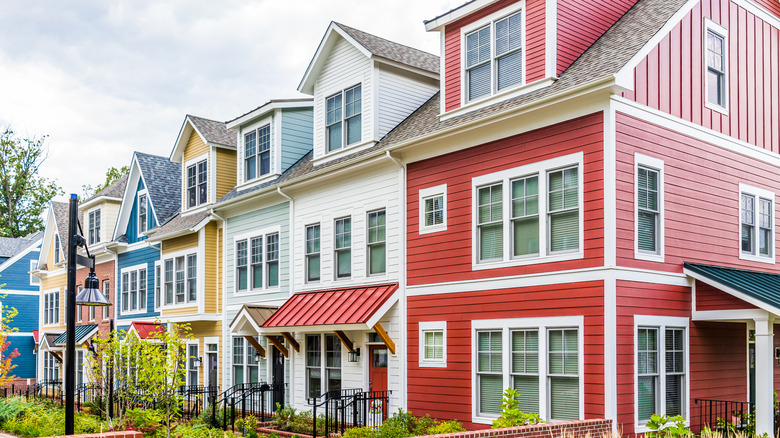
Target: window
<point x="92" y="312"/>
<point x="313" y="252"/>
<point x="79" y="308"/>
<point x="494" y="57"/>
<point x="649" y="213"/>
<point x="343" y="247"/>
<point x="192" y="274"/>
<point x="376" y="242"/>
<point x="142" y="224"/>
<point x="51" y="307"/>
<point x="716" y="52"/>
<point x="238" y="360"/>
<point x="433" y="344"/>
<point x="343" y="123"/>
<point x="51" y="368"/>
<point x="94" y="227"/>
<point x="192" y="370"/>
<point x="79" y="368"/>
<point x="433" y="209"/>
<point x="180" y="279"/>
<point x="157" y="285"/>
<point x="56" y="248"/>
<point x="197" y="179"/>
<point x="528" y="214"/>
<point x="321" y="363"/>
<point x="257" y="152"/>
<point x="34" y="281"/>
<point x="180" y="295"/>
<point x="251" y="249"/>
<point x="169" y="281"/>
<point x="756" y="224"/>
<point x="539" y="357"/>
<point x="134" y="289"/>
<point x="661" y="364"/>
<point x="105" y="311"/>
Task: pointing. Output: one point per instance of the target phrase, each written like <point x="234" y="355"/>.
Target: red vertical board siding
<point x="446" y="392"/>
<point x="447" y="255"/>
<point x="634" y="298"/>
<point x="671" y="78"/>
<point x="772" y="6"/>
<point x="710" y="298"/>
<point x="701" y="217"/>
<point x="535" y="47"/>
<point x="581" y="23"/>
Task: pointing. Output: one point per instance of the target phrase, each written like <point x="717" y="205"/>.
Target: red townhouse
<point x="591" y="212"/>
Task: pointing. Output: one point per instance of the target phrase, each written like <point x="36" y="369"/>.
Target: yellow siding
<point x="179" y="243"/>
<point x="200" y="331"/>
<point x="220" y="262"/>
<point x="50" y="256"/>
<point x="226" y="171"/>
<point x="178" y="311"/>
<point x="211" y="261"/>
<point x="195" y="147"/>
<point x="49" y="284"/>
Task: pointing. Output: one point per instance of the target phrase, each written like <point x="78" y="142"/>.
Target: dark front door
<point x="277" y="376"/>
<point x="752" y="372"/>
<point x="377" y="374"/>
<point x="212" y="370"/>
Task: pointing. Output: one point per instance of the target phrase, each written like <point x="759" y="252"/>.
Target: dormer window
<point x="344" y="119"/>
<point x="494" y="57"/>
<point x="94" y="227"/>
<point x="142" y="213"/>
<point x="197" y="183"/>
<point x="257" y="153"/>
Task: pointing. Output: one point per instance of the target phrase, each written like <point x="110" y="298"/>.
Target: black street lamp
<point x="89" y="296"/>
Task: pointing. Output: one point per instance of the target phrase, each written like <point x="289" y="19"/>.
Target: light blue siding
<point x="297" y="135"/>
<point x="25" y="362"/>
<point x="148" y="256"/>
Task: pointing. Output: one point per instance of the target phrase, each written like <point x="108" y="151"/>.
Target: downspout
<point x="291" y="235"/>
<point x="402" y="276"/>
<point x="225" y="337"/>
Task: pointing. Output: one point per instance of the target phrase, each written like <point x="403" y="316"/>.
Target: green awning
<point x="762" y="289"/>
<point x="83" y="332"/>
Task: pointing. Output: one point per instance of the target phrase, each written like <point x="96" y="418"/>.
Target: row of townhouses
<point x="576" y="200"/>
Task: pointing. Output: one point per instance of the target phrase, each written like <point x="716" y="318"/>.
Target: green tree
<point x="24" y="194"/>
<point x="112" y="175"/>
<point x="113" y="360"/>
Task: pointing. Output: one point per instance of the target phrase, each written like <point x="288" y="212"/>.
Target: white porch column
<point x="764" y="375"/>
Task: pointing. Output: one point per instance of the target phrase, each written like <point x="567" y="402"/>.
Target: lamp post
<point x="89" y="296"/>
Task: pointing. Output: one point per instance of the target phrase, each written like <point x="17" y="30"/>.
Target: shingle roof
<point x="10" y="246"/>
<point x="180" y="223"/>
<point x="393" y="51"/>
<point x="61" y="210"/>
<point x="114" y="190"/>
<point x="163" y="182"/>
<point x="297" y="169"/>
<point x="213" y="131"/>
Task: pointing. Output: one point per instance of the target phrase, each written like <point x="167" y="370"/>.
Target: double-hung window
<point x="169" y="281"/>
<point x="313" y="252"/>
<point x="157" y="285"/>
<point x="250" y="250"/>
<point x="56" y="248"/>
<point x="94" y="227"/>
<point x="257" y="153"/>
<point x="192" y="278"/>
<point x="648" y="217"/>
<point x="716" y="53"/>
<point x="180" y="282"/>
<point x="494" y="57"/>
<point x="238" y="360"/>
<point x="756" y="224"/>
<point x="661" y="367"/>
<point x="538" y="357"/>
<point x="180" y="294"/>
<point x="142" y="205"/>
<point x="343" y="118"/>
<point x="528" y="213"/>
<point x="376" y="242"/>
<point x="197" y="184"/>
<point x="134" y="289"/>
<point x="323" y="365"/>
<point x="343" y="247"/>
<point x="272" y="260"/>
<point x="51" y="307"/>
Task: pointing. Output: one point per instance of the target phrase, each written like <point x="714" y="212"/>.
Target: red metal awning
<point x="333" y="307"/>
<point x="145" y="330"/>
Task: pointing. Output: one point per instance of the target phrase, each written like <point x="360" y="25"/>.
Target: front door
<point x="277" y="376"/>
<point x="377" y="373"/>
<point x="212" y="370"/>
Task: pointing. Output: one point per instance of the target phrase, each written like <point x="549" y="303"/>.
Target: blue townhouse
<point x="151" y="198"/>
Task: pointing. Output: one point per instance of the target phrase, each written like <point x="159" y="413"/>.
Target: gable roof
<point x="145" y="330"/>
<point x="22" y="246"/>
<point x="212" y="132"/>
<point x="60" y="210"/>
<point x="762" y="289"/>
<point x="10" y="246"/>
<point x="162" y="178"/>
<point x="371" y="46"/>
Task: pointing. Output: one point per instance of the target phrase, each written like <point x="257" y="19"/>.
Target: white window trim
<point x="641" y="160"/>
<point x="127" y="271"/>
<point x="543" y="325"/>
<point x="274" y="169"/>
<point x="138" y="195"/>
<point x="335" y="250"/>
<point x="306" y="226"/>
<point x="34" y="281"/>
<point x="158" y="265"/>
<point x="662" y="323"/>
<point x="432" y="326"/>
<point x="378" y="275"/>
<point x="98" y="234"/>
<point x="344" y="145"/>
<point x="43" y="306"/>
<point x="541" y="168"/>
<point x="199" y="276"/>
<point x="430" y="192"/>
<point x="490" y="21"/>
<point x="757" y="194"/>
<point x="263" y="232"/>
<point x="324" y="362"/>
<point x="711" y="26"/>
<point x="209" y="182"/>
<point x="187" y="363"/>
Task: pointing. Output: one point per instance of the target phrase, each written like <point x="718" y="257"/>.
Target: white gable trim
<point x="16" y="257"/>
<point x="440" y="21"/>
<point x="759" y="12"/>
<point x="321" y="55"/>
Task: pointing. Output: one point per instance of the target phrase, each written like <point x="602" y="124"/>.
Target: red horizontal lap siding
<point x="671" y="77"/>
<point x="701" y="189"/>
<point x="446" y="392"/>
<point x="581" y="23"/>
<point x="709" y="298"/>
<point x="772" y="6"/>
<point x="535" y="47"/>
<point x="446" y="255"/>
<point x="634" y="298"/>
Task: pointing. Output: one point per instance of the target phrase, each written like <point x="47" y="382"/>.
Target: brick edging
<point x="110" y="434"/>
<point x="596" y="428"/>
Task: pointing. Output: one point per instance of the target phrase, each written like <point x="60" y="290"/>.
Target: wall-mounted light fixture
<point x="354" y="355"/>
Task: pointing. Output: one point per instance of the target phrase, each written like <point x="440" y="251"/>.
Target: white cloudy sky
<point x="105" y="78"/>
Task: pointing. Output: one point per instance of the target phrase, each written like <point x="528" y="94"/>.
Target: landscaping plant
<point x="511" y="415"/>
<point x="663" y="426"/>
<point x="403" y="424"/>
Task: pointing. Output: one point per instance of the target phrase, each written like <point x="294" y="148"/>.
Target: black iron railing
<point x="348" y="408"/>
<point x="723" y="415"/>
<point x="238" y="401"/>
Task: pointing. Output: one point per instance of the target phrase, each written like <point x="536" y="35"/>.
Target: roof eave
<point x="307" y="83"/>
<point x="455" y="14"/>
<point x="268" y="107"/>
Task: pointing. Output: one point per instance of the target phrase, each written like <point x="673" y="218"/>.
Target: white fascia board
<point x="455" y="14"/>
<point x="314" y="328"/>
<point x="382" y="311"/>
<point x="323" y="50"/>
<point x="126" y="205"/>
<point x="99" y="199"/>
<point x="268" y="107"/>
<point x="389" y="62"/>
<point x="731" y="291"/>
<point x="177" y="154"/>
<point x="21" y="254"/>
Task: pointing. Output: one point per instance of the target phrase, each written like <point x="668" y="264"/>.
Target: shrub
<point x="360" y="432"/>
<point x="12" y="407"/>
<point x="665" y="426"/>
<point x="147" y="421"/>
<point x="403" y="424"/>
<point x="511" y="415"/>
<point x="450" y="426"/>
<point x="201" y="431"/>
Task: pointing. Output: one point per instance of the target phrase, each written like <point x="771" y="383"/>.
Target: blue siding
<point x="17" y="275"/>
<point x="297" y="135"/>
<point x="132" y="223"/>
<point x="27" y="305"/>
<point x="25" y="362"/>
<point x="148" y="256"/>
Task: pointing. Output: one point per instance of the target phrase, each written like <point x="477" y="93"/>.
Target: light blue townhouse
<point x="274" y="140"/>
<point x="20" y="291"/>
<point x="151" y="197"/>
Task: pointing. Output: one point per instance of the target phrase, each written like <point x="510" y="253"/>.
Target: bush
<point x="289" y="420"/>
<point x="404" y="424"/>
<point x="201" y="431"/>
<point x="450" y="426"/>
<point x="665" y="426"/>
<point x="12" y="407"/>
<point x="511" y="415"/>
<point x="147" y="421"/>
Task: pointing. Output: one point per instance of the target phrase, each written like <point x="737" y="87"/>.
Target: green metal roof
<point x="82" y="333"/>
<point x="759" y="288"/>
